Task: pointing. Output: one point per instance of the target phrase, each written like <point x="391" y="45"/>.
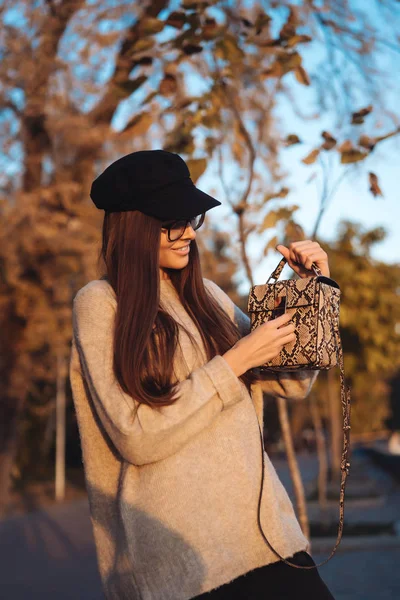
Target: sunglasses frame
<point x="168" y="225"/>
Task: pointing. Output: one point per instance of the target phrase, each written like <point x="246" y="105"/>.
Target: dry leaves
<point x="374" y="185"/>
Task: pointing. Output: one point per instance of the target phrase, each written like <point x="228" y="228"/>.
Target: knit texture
<point x="173" y="491"/>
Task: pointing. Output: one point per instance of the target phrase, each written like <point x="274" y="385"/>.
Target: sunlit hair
<point x="145" y="336"/>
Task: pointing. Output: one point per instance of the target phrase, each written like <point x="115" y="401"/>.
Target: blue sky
<point x="353" y="200"/>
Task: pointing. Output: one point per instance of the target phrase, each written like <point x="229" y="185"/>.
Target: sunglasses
<point x="176" y="229"/>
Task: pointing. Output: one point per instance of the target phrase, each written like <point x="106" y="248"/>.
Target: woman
<point x="167" y="394"/>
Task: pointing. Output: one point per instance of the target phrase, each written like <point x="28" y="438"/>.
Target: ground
<point x="49" y="553"/>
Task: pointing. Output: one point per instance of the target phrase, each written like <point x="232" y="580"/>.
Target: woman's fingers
<point x="314" y="257"/>
<point x="281" y="320"/>
<point x="286" y="330"/>
<point x="300" y="251"/>
<point x="301" y="256"/>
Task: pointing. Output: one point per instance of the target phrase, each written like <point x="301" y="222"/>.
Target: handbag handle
<point x="275" y="274"/>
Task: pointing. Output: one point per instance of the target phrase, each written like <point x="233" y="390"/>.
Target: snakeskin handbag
<point x="313" y="303"/>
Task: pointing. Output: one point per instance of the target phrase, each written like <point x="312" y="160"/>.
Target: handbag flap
<point x="298" y="292"/>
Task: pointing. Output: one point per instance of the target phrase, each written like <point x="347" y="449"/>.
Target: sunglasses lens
<point x="176" y="229"/>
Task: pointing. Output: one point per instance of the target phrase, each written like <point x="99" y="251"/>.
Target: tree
<point x="370" y="316"/>
<point x="197" y="78"/>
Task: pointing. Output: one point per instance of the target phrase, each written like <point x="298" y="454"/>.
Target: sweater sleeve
<point x="143" y="434"/>
<point x="295" y="385"/>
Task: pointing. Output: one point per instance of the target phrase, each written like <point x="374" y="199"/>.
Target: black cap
<point x="155" y="182"/>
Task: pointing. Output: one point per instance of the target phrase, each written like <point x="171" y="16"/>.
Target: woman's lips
<point x="183" y="251"/>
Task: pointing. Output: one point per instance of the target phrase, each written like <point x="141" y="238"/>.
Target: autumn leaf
<point x="292" y="139"/>
<point x="345" y="146"/>
<point x="283" y="64"/>
<point x="261" y="21"/>
<point x="289" y="28"/>
<point x="330" y="141"/>
<point x="288" y="31"/>
<point x="352" y="156"/>
<point x="195" y="5"/>
<point x="302" y="76"/>
<point x="294" y="16"/>
<point x="293" y="232"/>
<point x="189" y="48"/>
<point x="312" y="157"/>
<point x="196" y="167"/>
<point x="273" y="242"/>
<point x="274" y="216"/>
<point x="180" y="142"/>
<point x="151" y="25"/>
<point x="367" y="142"/>
<point x="289" y="61"/>
<point x="176" y="19"/>
<point x="168" y="85"/>
<point x="374" y="185"/>
<point x="282" y="193"/>
<point x="298" y="39"/>
<point x="357" y="118"/>
<point x="138" y="125"/>
<point x="141" y="46"/>
<point x="210" y="29"/>
<point x="228" y="49"/>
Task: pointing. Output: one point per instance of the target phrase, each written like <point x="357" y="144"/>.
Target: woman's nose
<point x="189" y="233"/>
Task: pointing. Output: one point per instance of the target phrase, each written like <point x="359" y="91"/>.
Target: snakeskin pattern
<point x="314" y="305"/>
<point x="328" y="323"/>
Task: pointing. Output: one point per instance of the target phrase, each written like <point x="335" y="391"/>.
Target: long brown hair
<point x="142" y="330"/>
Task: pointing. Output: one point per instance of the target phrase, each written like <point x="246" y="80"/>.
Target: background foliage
<point x="83" y="82"/>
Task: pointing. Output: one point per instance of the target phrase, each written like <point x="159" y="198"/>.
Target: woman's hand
<point x="261" y="345"/>
<point x="301" y="255"/>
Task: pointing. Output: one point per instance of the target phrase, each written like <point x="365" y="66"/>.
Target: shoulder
<point x="212" y="286"/>
<point x="95" y="292"/>
<point x="218" y="293"/>
<point x="235" y="313"/>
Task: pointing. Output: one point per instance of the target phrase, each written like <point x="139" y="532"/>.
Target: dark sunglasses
<point x="176" y="229"/>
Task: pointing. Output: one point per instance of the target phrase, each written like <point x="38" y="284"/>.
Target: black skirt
<point x="277" y="581"/>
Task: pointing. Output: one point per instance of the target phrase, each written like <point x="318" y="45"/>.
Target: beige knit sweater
<point x="174" y="492"/>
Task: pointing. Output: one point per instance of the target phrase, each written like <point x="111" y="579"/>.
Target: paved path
<point x="49" y="554"/>
<point x="363" y="575"/>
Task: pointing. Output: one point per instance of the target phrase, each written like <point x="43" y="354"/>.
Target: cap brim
<point x="180" y="201"/>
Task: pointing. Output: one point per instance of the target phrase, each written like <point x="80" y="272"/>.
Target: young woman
<point x="167" y="394"/>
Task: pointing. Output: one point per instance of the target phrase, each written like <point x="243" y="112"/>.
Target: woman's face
<point x="170" y="256"/>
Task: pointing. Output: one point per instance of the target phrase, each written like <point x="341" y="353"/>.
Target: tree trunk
<point x="321" y="452"/>
<point x="60" y="428"/>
